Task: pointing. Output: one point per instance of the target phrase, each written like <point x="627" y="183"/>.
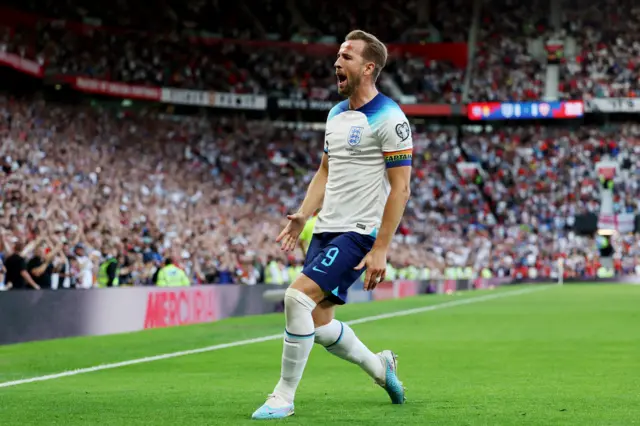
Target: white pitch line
<point x="402" y="313"/>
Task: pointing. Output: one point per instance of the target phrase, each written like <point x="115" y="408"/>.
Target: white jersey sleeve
<point x="394" y="133"/>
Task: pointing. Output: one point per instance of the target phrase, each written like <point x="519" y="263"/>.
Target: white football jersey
<point x="361" y="145"/>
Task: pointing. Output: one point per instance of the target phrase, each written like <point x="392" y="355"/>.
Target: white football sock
<point x="339" y="339"/>
<point x="298" y="341"/>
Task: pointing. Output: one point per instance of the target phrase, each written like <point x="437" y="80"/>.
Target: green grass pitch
<point x="566" y="355"/>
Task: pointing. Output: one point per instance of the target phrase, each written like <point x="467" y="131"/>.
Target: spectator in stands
<point x="128" y="268"/>
<point x="172" y="276"/>
<point x="226" y="271"/>
<point x="85" y="268"/>
<point x="63" y="278"/>
<point x="109" y="271"/>
<point x="40" y="266"/>
<point x="18" y="276"/>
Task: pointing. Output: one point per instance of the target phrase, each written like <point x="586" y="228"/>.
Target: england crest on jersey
<point x="355" y="135"/>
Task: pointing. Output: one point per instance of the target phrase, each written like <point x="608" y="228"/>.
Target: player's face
<point x="350" y="66"/>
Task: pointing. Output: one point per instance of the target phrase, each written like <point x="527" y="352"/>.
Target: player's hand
<point x="289" y="235"/>
<point x="376" y="263"/>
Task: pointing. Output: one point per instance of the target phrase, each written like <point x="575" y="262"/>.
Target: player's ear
<point x="369" y="68"/>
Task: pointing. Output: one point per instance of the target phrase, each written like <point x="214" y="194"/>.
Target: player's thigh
<point x="309" y="287"/>
<point x="324" y="313"/>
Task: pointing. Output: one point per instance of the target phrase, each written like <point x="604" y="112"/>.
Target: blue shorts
<point x="330" y="261"/>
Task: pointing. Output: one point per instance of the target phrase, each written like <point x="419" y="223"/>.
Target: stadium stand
<point x="606" y="62"/>
<point x="273" y="19"/>
<point x="210" y="190"/>
<point x="504" y="69"/>
<point x="201" y="61"/>
<point x="152" y="185"/>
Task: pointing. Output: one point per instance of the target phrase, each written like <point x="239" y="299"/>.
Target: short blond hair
<point x="374" y="50"/>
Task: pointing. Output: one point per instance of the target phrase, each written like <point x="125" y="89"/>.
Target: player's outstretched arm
<point x="315" y="193"/>
<point x="376" y="259"/>
<point x="312" y="202"/>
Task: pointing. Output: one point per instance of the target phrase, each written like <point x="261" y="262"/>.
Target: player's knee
<point x="329" y="334"/>
<point x="297" y="311"/>
<point x="296" y="300"/>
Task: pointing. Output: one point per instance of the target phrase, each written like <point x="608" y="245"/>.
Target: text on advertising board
<point x="169" y="308"/>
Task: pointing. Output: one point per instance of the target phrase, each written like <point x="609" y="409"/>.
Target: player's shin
<point x="298" y="341"/>
<point x="339" y="339"/>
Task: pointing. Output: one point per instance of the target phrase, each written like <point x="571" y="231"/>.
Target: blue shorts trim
<point x="331" y="259"/>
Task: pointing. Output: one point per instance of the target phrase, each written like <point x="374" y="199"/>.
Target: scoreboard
<point x="524" y="110"/>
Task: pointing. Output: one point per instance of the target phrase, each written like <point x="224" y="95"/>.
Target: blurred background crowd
<point x="94" y="195"/>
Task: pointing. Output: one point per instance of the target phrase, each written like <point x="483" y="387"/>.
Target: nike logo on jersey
<point x="315" y="268"/>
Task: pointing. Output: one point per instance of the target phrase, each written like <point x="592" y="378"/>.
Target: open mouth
<point x="342" y="80"/>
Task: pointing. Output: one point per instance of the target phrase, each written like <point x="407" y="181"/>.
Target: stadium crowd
<point x="504" y="70"/>
<point x="607" y="62"/>
<point x="176" y="61"/>
<point x="89" y="186"/>
<point x="274" y="19"/>
<point x="88" y="190"/>
<point x="178" y="56"/>
<point x="141" y="44"/>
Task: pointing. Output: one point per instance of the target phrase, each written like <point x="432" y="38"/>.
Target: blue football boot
<point x="274" y="408"/>
<point x="391" y="383"/>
